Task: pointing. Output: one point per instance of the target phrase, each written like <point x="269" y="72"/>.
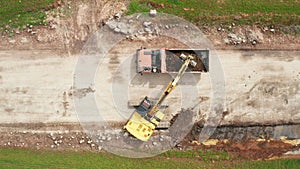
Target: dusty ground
<point x="37" y="106"/>
<point x="269" y="83"/>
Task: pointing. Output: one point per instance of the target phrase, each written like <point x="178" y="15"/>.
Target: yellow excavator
<point x="146" y="117"/>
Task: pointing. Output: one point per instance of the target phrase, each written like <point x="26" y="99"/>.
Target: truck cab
<point x="167" y="60"/>
<point x="148" y="61"/>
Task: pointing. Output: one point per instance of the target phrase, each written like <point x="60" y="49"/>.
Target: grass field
<point x="19" y="13"/>
<point x="21" y="158"/>
<point x="215" y="12"/>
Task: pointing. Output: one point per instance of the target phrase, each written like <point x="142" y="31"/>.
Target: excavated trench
<point x="246" y="133"/>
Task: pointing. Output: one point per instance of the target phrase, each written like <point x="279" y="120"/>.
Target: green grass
<point x="23" y="158"/>
<point x="19" y="13"/>
<point x="214" y="12"/>
<point x="206" y="156"/>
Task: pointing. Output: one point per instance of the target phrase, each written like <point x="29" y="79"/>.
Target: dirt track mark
<point x="80" y="93"/>
<point x="274" y="92"/>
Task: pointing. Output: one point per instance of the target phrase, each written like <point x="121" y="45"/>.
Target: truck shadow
<point x="161" y="79"/>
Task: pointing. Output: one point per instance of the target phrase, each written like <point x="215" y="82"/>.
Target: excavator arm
<point x="142" y="125"/>
<point x="172" y="84"/>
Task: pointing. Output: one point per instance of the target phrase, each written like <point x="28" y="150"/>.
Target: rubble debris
<point x="24" y="40"/>
<point x="17" y="31"/>
<point x="147" y="24"/>
<point x="153" y="12"/>
<point x="265" y="29"/>
<point x="272" y="30"/>
<point x="89" y="141"/>
<point x="264" y="147"/>
<point x="234" y="39"/>
<point x="12" y="41"/>
<point x="117" y="30"/>
<point x="103" y="138"/>
<point x="138" y="16"/>
<point x="118" y="15"/>
<point x="156" y="30"/>
<point x="29" y="30"/>
<point x="53" y="26"/>
<point x="130" y="21"/>
<point x="81" y="141"/>
<point x="148" y="30"/>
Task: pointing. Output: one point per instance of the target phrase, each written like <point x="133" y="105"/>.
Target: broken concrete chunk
<point x="81" y="141"/>
<point x="147" y="24"/>
<point x="153" y="12"/>
<point x="148" y="30"/>
<point x="117" y="30"/>
<point x="12" y="41"/>
<point x="130" y="21"/>
<point x="118" y="15"/>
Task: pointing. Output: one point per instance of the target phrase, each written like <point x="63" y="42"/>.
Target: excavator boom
<point x="171" y="85"/>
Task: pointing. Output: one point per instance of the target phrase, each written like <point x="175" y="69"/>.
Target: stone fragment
<point x="153" y="12"/>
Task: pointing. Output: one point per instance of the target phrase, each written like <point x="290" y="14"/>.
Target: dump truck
<point x="167" y="60"/>
<point x="147" y="116"/>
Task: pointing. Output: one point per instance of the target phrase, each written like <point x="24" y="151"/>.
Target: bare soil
<point x="69" y="136"/>
<point x="250" y="149"/>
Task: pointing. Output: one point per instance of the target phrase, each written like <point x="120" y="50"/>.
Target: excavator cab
<point x="144" y="107"/>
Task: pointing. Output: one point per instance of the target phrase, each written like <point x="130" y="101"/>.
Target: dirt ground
<point x="37" y="105"/>
<point x="73" y="22"/>
<point x="69" y="136"/>
<point x="253" y="149"/>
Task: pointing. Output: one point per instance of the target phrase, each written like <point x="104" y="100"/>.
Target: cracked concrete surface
<point x="262" y="87"/>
